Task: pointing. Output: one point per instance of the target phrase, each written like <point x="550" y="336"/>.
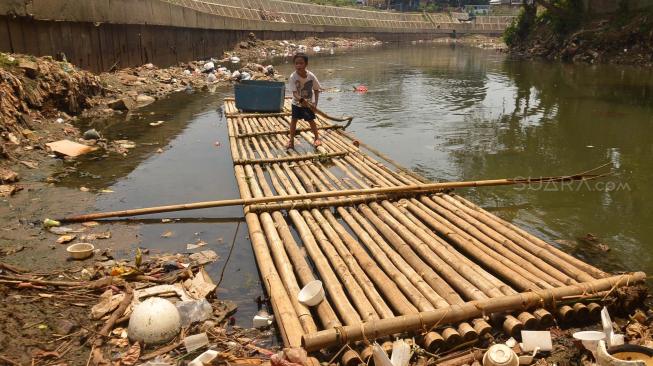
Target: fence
<point x="310" y="14"/>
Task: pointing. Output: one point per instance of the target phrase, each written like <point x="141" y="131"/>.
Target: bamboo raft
<point x="428" y="265"/>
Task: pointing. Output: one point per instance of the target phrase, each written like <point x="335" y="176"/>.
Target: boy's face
<point x="300" y="64"/>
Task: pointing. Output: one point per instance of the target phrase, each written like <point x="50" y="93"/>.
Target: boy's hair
<point x="300" y="55"/>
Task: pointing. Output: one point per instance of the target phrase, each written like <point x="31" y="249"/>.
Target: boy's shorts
<point x="302" y="113"/>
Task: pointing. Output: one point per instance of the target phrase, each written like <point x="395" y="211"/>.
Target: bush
<point x="518" y="30"/>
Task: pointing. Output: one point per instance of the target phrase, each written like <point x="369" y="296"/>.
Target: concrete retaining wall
<point x="100" y="34"/>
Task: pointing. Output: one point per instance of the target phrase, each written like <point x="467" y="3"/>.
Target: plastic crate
<point x="260" y="96"/>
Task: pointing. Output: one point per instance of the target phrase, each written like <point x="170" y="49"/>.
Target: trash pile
<point x="254" y="49"/>
<point x="151" y="310"/>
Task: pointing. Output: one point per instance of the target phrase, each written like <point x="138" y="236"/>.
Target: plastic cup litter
<point x="80" y="250"/>
<point x="312" y="294"/>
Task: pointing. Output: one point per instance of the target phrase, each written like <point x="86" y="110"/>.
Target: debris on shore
<point x="94" y="313"/>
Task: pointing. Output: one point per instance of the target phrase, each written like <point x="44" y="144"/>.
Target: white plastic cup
<point x="500" y="355"/>
<point x="312" y="294"/>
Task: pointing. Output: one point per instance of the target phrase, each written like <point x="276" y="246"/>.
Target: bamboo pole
<point x="469" y="310"/>
<point x="267" y="132"/>
<point x="543" y="253"/>
<point x="511" y="274"/>
<point x="593" y="271"/>
<point x="280" y="257"/>
<point x="497" y="237"/>
<point x="489" y="243"/>
<point x="286" y="317"/>
<point x="290" y="158"/>
<point x="330" y="281"/>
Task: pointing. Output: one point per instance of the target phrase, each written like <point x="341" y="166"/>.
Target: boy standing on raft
<point x="304" y="85"/>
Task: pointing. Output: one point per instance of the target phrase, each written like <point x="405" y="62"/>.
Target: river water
<point x="450" y="113"/>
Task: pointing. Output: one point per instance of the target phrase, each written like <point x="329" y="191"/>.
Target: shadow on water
<point x="450" y="113"/>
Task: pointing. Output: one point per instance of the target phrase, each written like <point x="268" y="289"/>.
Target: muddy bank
<point x="623" y="38"/>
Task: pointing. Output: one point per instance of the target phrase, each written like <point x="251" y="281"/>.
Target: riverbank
<point x="623" y="38"/>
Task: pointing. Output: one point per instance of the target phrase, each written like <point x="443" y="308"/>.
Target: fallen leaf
<point x="84" y="189"/>
<point x="198" y="244"/>
<point x="167" y="234"/>
<point x="131" y="357"/>
<point x="90" y="224"/>
<point x="119" y="342"/>
<point x="66" y="239"/>
<point x="45" y="354"/>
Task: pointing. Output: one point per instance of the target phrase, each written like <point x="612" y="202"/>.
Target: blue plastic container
<point x="260" y="96"/>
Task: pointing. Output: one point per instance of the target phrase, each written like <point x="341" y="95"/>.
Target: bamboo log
<point x="593" y="271"/>
<point x="543" y="253"/>
<point x="357" y="292"/>
<point x="481" y="327"/>
<point x="594" y="310"/>
<point x="581" y="312"/>
<point x="257" y="115"/>
<point x="433" y="342"/>
<point x="508" y="273"/>
<point x="469" y="310"/>
<point x="492" y="248"/>
<point x="329" y="278"/>
<point x="287" y="159"/>
<point x="565" y="313"/>
<point x="487" y="235"/>
<point x="280" y="257"/>
<point x="544" y="318"/>
<point x="449" y="266"/>
<point x="284" y="131"/>
<point x="505" y="289"/>
<point x="384" y="283"/>
<point x="512" y="326"/>
<point x="286" y="318"/>
<point x="435" y="281"/>
<point x="451" y="337"/>
<point x="528" y="319"/>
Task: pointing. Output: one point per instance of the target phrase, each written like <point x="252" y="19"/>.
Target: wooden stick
<point x="469" y="310"/>
<point x="424" y="188"/>
<point x="106" y="329"/>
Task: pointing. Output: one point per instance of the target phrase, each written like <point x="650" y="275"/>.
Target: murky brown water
<point x="449" y="113"/>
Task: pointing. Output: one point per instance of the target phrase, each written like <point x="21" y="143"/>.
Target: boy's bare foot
<point x="317" y="142"/>
<point x="290" y="145"/>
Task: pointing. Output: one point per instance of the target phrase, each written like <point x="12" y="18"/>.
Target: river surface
<point x="450" y="113"/>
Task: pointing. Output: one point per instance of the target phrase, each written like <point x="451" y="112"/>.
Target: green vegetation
<point x="7" y="61"/>
<point x="562" y="16"/>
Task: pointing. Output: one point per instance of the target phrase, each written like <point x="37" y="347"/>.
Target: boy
<point x="303" y="84"/>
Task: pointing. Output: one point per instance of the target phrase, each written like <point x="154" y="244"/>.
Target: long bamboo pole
<point x="490" y="246"/>
<point x="532" y="258"/>
<point x="531" y="299"/>
<point x="418" y="188"/>
<point x="289" y="325"/>
<point x="532" y="241"/>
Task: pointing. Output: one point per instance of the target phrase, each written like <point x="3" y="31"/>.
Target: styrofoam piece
<point x="262" y="320"/>
<point x="205" y="358"/>
<point x="400" y="353"/>
<point x="380" y="357"/>
<point x="511" y="342"/>
<point x="532" y="339"/>
<point x="196" y="341"/>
